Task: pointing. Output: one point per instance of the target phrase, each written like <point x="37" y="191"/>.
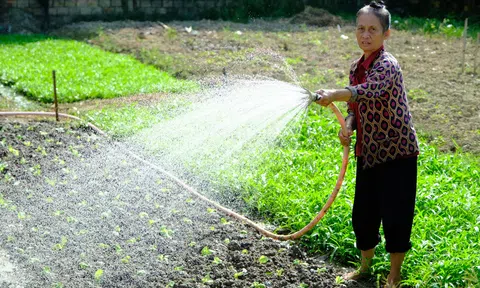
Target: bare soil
<point x="444" y="102"/>
<point x="74" y="203"/>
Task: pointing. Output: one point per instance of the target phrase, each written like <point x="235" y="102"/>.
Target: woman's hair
<point x="379" y="9"/>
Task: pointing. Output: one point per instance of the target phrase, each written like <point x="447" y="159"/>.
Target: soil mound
<point x="316" y="17"/>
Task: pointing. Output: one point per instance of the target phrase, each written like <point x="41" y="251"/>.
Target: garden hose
<point x="227" y="211"/>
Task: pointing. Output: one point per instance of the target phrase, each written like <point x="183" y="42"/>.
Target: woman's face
<point x="370" y="35"/>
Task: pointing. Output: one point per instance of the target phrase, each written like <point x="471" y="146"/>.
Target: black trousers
<point x="385" y="194"/>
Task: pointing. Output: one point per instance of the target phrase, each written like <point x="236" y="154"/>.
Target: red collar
<point x="366" y="63"/>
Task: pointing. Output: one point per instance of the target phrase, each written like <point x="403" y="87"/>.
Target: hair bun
<point x="377" y="5"/>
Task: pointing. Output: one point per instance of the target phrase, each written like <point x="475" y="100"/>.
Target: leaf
<point x="98" y="275"/>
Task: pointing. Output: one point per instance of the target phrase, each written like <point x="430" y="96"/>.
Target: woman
<point x="386" y="145"/>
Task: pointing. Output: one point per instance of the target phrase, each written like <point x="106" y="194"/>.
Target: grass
<point x="447" y="27"/>
<point x="82" y="72"/>
<point x="293" y="180"/>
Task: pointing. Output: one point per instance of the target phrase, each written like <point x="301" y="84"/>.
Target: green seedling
<point x="226" y="241"/>
<point x="118" y="249"/>
<point x="126" y="259"/>
<point x="192" y="244"/>
<point x="321" y="270"/>
<point x="47" y="270"/>
<point x="207" y="279"/>
<point x="211" y="210"/>
<point x="41" y="150"/>
<point x="245" y="251"/>
<point x="339" y="280"/>
<point x="212" y="228"/>
<point x="83" y="265"/>
<point x="238" y="275"/>
<point x="178" y="268"/>
<point x="224" y="221"/>
<point x="22" y="215"/>
<point x="151" y="222"/>
<point x="98" y="275"/>
<point x="36" y="170"/>
<point x="279" y="272"/>
<point x="58" y="213"/>
<point x="104" y="246"/>
<point x="187" y="221"/>
<point x="27" y="143"/>
<point x="14" y="151"/>
<point x="206" y="251"/>
<point x="61" y="245"/>
<point x="216" y="260"/>
<point x="171" y="284"/>
<point x="257" y="285"/>
<point x="298" y="262"/>
<point x="263" y="259"/>
<point x="166" y="232"/>
<point x="50" y="182"/>
<point x="162" y="258"/>
<point x="142" y="215"/>
<point x="132" y="241"/>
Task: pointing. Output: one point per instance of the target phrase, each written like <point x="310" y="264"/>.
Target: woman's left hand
<point x="326" y="97"/>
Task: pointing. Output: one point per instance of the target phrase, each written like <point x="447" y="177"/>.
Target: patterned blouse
<point x="386" y="126"/>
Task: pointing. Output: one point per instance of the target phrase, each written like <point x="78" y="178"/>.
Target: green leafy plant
<point x="165" y="232"/>
<point x="206" y="251"/>
<point x="98" y="275"/>
<point x="207" y="279"/>
<point x="32" y="59"/>
<point x="263" y="259"/>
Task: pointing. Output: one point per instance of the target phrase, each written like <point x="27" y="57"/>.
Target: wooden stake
<point x="475" y="56"/>
<point x="55" y="95"/>
<point x="464" y="44"/>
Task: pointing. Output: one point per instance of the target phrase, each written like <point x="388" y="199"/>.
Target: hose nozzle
<point x="309" y="98"/>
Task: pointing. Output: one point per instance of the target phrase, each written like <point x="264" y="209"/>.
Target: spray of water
<point x="107" y="206"/>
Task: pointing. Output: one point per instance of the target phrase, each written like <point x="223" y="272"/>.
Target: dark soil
<point x="73" y="204"/>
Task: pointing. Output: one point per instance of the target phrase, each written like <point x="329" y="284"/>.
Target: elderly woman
<point x="386" y="144"/>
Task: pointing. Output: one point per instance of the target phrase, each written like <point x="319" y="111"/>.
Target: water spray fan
<point x="309" y="99"/>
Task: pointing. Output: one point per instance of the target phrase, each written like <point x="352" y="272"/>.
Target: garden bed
<point x="77" y="212"/>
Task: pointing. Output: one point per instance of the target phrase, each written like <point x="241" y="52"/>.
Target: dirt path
<point x="77" y="212"/>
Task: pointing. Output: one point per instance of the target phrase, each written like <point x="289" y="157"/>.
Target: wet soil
<point x="77" y="211"/>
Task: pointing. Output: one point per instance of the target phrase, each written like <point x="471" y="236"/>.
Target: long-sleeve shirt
<point x="382" y="117"/>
